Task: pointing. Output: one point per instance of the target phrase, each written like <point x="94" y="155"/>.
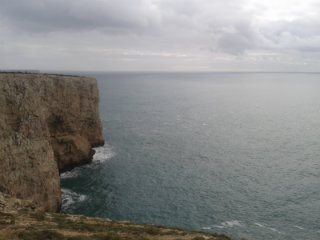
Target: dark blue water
<point x="231" y="153"/>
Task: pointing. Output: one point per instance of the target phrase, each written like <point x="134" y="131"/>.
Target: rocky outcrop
<point x="48" y="124"/>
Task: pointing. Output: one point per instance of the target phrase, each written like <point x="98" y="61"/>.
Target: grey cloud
<point x="301" y="34"/>
<point x="233" y="43"/>
<point x="75" y="15"/>
<point x="207" y="30"/>
<point x="172" y="23"/>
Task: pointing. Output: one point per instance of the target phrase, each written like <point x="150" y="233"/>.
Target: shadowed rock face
<point x="48" y="124"/>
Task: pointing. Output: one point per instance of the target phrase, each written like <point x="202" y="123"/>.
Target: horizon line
<point x="170" y="71"/>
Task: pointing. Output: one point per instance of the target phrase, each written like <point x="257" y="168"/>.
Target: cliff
<point x="48" y="124"/>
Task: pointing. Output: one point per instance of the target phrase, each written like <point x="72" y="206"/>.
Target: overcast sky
<point x="160" y="35"/>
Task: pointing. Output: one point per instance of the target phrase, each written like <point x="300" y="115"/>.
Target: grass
<point x="40" y="235"/>
<point x="38" y="215"/>
<point x="36" y="225"/>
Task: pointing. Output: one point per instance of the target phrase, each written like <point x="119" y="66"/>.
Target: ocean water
<point x="230" y="153"/>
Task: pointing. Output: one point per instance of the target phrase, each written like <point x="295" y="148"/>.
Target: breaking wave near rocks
<point x="72" y="196"/>
<point x="103" y="153"/>
<point x="69" y="198"/>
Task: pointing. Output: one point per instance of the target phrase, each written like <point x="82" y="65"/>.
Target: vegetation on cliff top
<point x="34" y="225"/>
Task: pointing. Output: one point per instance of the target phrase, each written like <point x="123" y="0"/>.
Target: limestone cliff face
<point x="48" y="124"/>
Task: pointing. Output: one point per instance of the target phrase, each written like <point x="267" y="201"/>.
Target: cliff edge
<point x="36" y="225"/>
<point x="48" y="124"/>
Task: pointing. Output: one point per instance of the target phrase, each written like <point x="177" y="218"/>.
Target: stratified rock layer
<point x="48" y="124"/>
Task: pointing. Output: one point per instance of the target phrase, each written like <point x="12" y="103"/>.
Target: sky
<point x="160" y="35"/>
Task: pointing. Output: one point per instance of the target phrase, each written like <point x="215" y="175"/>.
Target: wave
<point x="230" y="224"/>
<point x="206" y="228"/>
<point x="70" y="197"/>
<point x="275" y="230"/>
<point x="226" y="224"/>
<point x="236" y="223"/>
<point x="103" y="153"/>
<point x="268" y="228"/>
<point x="70" y="174"/>
<point x="296" y="226"/>
<point x="259" y="225"/>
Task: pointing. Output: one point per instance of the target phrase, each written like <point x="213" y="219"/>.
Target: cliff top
<point x="27" y="224"/>
<point x="38" y="73"/>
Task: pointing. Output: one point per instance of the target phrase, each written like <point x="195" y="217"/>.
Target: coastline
<point x="51" y="123"/>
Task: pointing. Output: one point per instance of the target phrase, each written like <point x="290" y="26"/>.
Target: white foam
<point x="296" y="226"/>
<point x="259" y="224"/>
<point x="229" y="224"/>
<point x="269" y="228"/>
<point x="70" y="197"/>
<point x="275" y="230"/>
<point x="206" y="228"/>
<point x="218" y="226"/>
<point x="70" y="174"/>
<point x="103" y="153"/>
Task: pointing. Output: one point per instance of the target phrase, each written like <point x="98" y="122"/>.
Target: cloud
<point x="301" y="34"/>
<point x="160" y="34"/>
<point x="77" y="15"/>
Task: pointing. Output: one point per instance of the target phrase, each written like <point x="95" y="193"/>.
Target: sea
<point x="228" y="153"/>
